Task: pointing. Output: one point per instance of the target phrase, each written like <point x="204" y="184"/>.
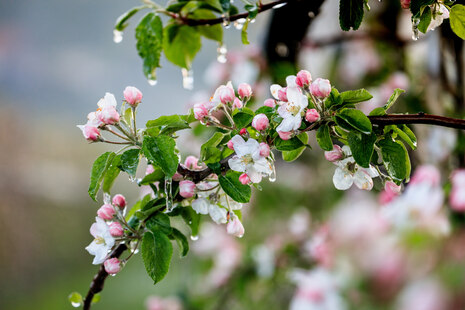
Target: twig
<point x="420" y="118"/>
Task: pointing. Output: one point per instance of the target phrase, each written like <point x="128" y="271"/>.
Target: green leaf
<point x="268" y="111"/>
<point x="355" y="96"/>
<point x="192" y="219"/>
<point x="75" y="299"/>
<point x="156" y="176"/>
<point x="410" y="134"/>
<point x="207" y="150"/>
<point x="181" y="240"/>
<point x="130" y="161"/>
<point x="149" y="36"/>
<point x="122" y="21"/>
<point x="242" y="118"/>
<point x="395" y="159"/>
<point x="324" y="138"/>
<point x="288" y="145"/>
<point x="416" y="5"/>
<point x="100" y="166"/>
<point x="378" y="111"/>
<point x="293" y="155"/>
<point x="168" y="124"/>
<point x="181" y="44"/>
<point x="111" y="174"/>
<point x="361" y="146"/>
<point x="356" y="119"/>
<point x="425" y="20"/>
<point x="457" y="20"/>
<point x="226" y="5"/>
<point x="156" y="252"/>
<point x="244" y="36"/>
<point x="212" y="32"/>
<point x="234" y="188"/>
<point x="395" y="95"/>
<point x="334" y="98"/>
<point x="161" y="151"/>
<point x="159" y="221"/>
<point x="350" y="14"/>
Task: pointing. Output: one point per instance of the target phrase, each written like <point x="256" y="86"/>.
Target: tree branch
<point x="420" y="118"/>
<point x="99" y="279"/>
<point x="214" y="21"/>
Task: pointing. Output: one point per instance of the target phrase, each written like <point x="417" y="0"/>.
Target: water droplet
<point x="152" y="82"/>
<point x="240" y="236"/>
<point x="252" y="20"/>
<point x="272" y="176"/>
<point x="112" y="275"/>
<point x="222" y="50"/>
<point x="416" y="32"/>
<point x="277" y="6"/>
<point x="226" y="21"/>
<point x="169" y="194"/>
<point x="106" y="198"/>
<point x="132" y="179"/>
<point x="117" y="36"/>
<point x="187" y="79"/>
<point x="194" y="238"/>
<point x="239" y="24"/>
<point x="75" y="304"/>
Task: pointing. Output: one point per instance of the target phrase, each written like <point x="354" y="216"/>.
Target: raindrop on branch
<point x="226" y="20"/>
<point x="187" y="79"/>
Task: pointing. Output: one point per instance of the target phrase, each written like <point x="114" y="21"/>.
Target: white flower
<point x="216" y="209"/>
<point x="348" y="173"/>
<point x="107" y="101"/>
<point x="249" y="160"/>
<point x="102" y="243"/>
<point x="441" y="14"/>
<point x="275" y="88"/>
<point x="292" y="110"/>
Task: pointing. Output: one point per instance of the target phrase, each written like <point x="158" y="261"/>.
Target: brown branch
<point x="199" y="175"/>
<point x="99" y="279"/>
<point x="420" y="118"/>
<point x="214" y="21"/>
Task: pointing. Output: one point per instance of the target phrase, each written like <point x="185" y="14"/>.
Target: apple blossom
<point x="304" y="78"/>
<point x="405" y="4"/>
<point x="426" y="174"/>
<point x="230" y="145"/>
<point x="391" y="190"/>
<point x="320" y="88"/>
<point x="243" y="132"/>
<point x="116" y="230"/>
<point x="106" y="212"/>
<point x="335" y="154"/>
<point x="106" y="112"/>
<point x="102" y="243"/>
<point x="457" y="194"/>
<point x="90" y="133"/>
<point x="119" y="201"/>
<point x="244" y="90"/>
<point x="200" y="111"/>
<point x="440" y="15"/>
<point x="292" y="111"/>
<point x="191" y="162"/>
<point x="249" y="160"/>
<point x="112" y="265"/>
<point x="132" y="95"/>
<point x="270" y="103"/>
<point x="260" y="122"/>
<point x="237" y="104"/>
<point x="178" y="177"/>
<point x="186" y="188"/>
<point x="282" y="94"/>
<point x="285" y="135"/>
<point x="226" y="94"/>
<point x="312" y="115"/>
<point x="244" y="178"/>
<point x="235" y="227"/>
<point x="264" y="149"/>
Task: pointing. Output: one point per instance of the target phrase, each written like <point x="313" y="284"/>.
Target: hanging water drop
<point x="239" y="24"/>
<point x="226" y="21"/>
<point x="222" y="52"/>
<point x="76" y="304"/>
<point x="252" y="20"/>
<point x="416" y="32"/>
<point x="187" y="79"/>
<point x="194" y="237"/>
<point x="132" y="179"/>
<point x="117" y="36"/>
<point x="169" y="194"/>
<point x="106" y="198"/>
<point x="272" y="176"/>
<point x="152" y="82"/>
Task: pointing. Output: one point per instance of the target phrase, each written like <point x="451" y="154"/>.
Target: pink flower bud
<point x="178" y="177"/>
<point x="269" y="103"/>
<point x="392" y="187"/>
<point x="260" y="122"/>
<point x="244" y="179"/>
<point x="458" y="178"/>
<point x="334" y="155"/>
<point x="282" y="94"/>
<point x="457" y="199"/>
<point x="243" y="131"/>
<point x="304" y="78"/>
<point x="226" y="94"/>
<point x="132" y="95"/>
<point x="116" y="230"/>
<point x="230" y="145"/>
<point x="312" y="115"/>
<point x="106" y="212"/>
<point x="320" y="88"/>
<point x="428" y="174"/>
<point x="112" y="265"/>
<point x="264" y="149"/>
<point x="237" y="104"/>
<point x="200" y="111"/>
<point x="235" y="228"/>
<point x="391" y="190"/>
<point x="108" y="115"/>
<point x="285" y="135"/>
<point x="90" y="133"/>
<point x="149" y="169"/>
<point x="186" y="188"/>
<point x="119" y="201"/>
<point x="244" y="90"/>
<point x="405" y="4"/>
<point x="191" y="162"/>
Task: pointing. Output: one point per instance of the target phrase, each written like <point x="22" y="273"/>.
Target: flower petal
<point x="236" y="164"/>
<point x="363" y="180"/>
<point x="342" y="179"/>
<point x="274" y="90"/>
